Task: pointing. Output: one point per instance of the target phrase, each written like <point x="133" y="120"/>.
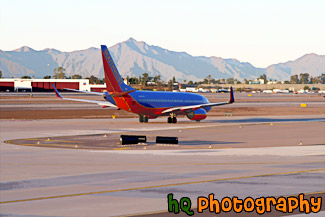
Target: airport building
<point x="44" y="85"/>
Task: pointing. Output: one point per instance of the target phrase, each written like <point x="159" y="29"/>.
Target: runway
<point x="249" y="156"/>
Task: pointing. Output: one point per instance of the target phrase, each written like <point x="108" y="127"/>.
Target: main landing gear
<point x="143" y="119"/>
<point x="172" y="119"/>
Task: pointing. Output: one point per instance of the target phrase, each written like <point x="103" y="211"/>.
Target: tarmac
<point x="76" y="167"/>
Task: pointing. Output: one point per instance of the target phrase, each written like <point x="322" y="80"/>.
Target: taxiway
<point x="248" y="156"/>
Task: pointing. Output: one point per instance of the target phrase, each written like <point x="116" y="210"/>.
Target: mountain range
<point x="133" y="58"/>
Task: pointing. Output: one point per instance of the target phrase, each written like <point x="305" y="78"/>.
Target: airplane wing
<point x="195" y="107"/>
<point x="102" y="103"/>
<point x="81" y="91"/>
<point x="101" y="94"/>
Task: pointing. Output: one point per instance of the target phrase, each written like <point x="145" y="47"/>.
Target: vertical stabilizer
<point x="114" y="81"/>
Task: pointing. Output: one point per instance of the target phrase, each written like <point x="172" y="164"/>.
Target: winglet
<point x="56" y="92"/>
<point x="232" y="99"/>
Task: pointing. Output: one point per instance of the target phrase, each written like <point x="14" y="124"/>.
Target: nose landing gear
<point x="172" y="119"/>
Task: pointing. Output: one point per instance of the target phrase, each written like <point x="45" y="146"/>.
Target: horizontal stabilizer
<point x="114" y="94"/>
<point x="81" y="91"/>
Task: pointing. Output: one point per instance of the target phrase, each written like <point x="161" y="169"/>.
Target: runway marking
<point x="157" y="186"/>
<point x="46" y="145"/>
<point x="67" y="146"/>
<point x="33" y="139"/>
<point x="218" y="130"/>
<point x="124" y="148"/>
<point x="171" y="164"/>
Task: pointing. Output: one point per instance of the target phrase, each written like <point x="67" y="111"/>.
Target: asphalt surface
<point x="249" y="156"/>
<point x="77" y="167"/>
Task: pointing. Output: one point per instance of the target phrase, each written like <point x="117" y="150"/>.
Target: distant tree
<point x="75" y="76"/>
<point x="304" y="78"/>
<point x="170" y="85"/>
<point x="264" y="78"/>
<point x="139" y="79"/>
<point x="156" y="78"/>
<point x="26" y="77"/>
<point x="0" y="74"/>
<point x="246" y="81"/>
<point x="213" y="81"/>
<point x="158" y="81"/>
<point x="286" y="82"/>
<point x="144" y="79"/>
<point x="294" y="79"/>
<point x="59" y="73"/>
<point x="322" y="78"/>
<point x="230" y="81"/>
<point x="306" y="87"/>
<point x="209" y="79"/>
<point x="47" y="77"/>
<point x="174" y="80"/>
<point x="314" y="80"/>
<point x="134" y="80"/>
<point x="94" y="80"/>
<point x="223" y="81"/>
<point x="205" y="81"/>
<point x="190" y="83"/>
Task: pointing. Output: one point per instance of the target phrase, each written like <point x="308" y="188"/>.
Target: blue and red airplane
<point x="148" y="104"/>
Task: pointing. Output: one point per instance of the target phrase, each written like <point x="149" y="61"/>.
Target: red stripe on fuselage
<point x="131" y="105"/>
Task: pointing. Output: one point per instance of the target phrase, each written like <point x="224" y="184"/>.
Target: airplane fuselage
<point x="153" y="103"/>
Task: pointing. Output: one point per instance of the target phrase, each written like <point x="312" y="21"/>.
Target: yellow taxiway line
<point x="164" y="164"/>
<point x="156" y="186"/>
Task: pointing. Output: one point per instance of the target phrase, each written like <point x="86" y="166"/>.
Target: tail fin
<point x="232" y="98"/>
<point x="114" y="81"/>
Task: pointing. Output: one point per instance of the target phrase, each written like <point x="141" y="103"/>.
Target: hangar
<point x="44" y="85"/>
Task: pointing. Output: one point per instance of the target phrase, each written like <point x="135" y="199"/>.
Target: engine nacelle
<point x="199" y="114"/>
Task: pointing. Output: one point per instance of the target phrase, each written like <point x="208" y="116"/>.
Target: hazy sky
<point x="261" y="32"/>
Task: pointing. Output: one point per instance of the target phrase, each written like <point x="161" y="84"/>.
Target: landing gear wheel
<point x="143" y="119"/>
<point x="172" y="119"/>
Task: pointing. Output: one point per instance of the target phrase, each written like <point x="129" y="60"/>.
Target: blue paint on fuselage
<point x="161" y="99"/>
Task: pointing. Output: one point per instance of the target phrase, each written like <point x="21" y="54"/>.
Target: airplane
<point x="148" y="104"/>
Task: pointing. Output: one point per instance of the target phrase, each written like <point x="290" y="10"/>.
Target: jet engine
<point x="197" y="115"/>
